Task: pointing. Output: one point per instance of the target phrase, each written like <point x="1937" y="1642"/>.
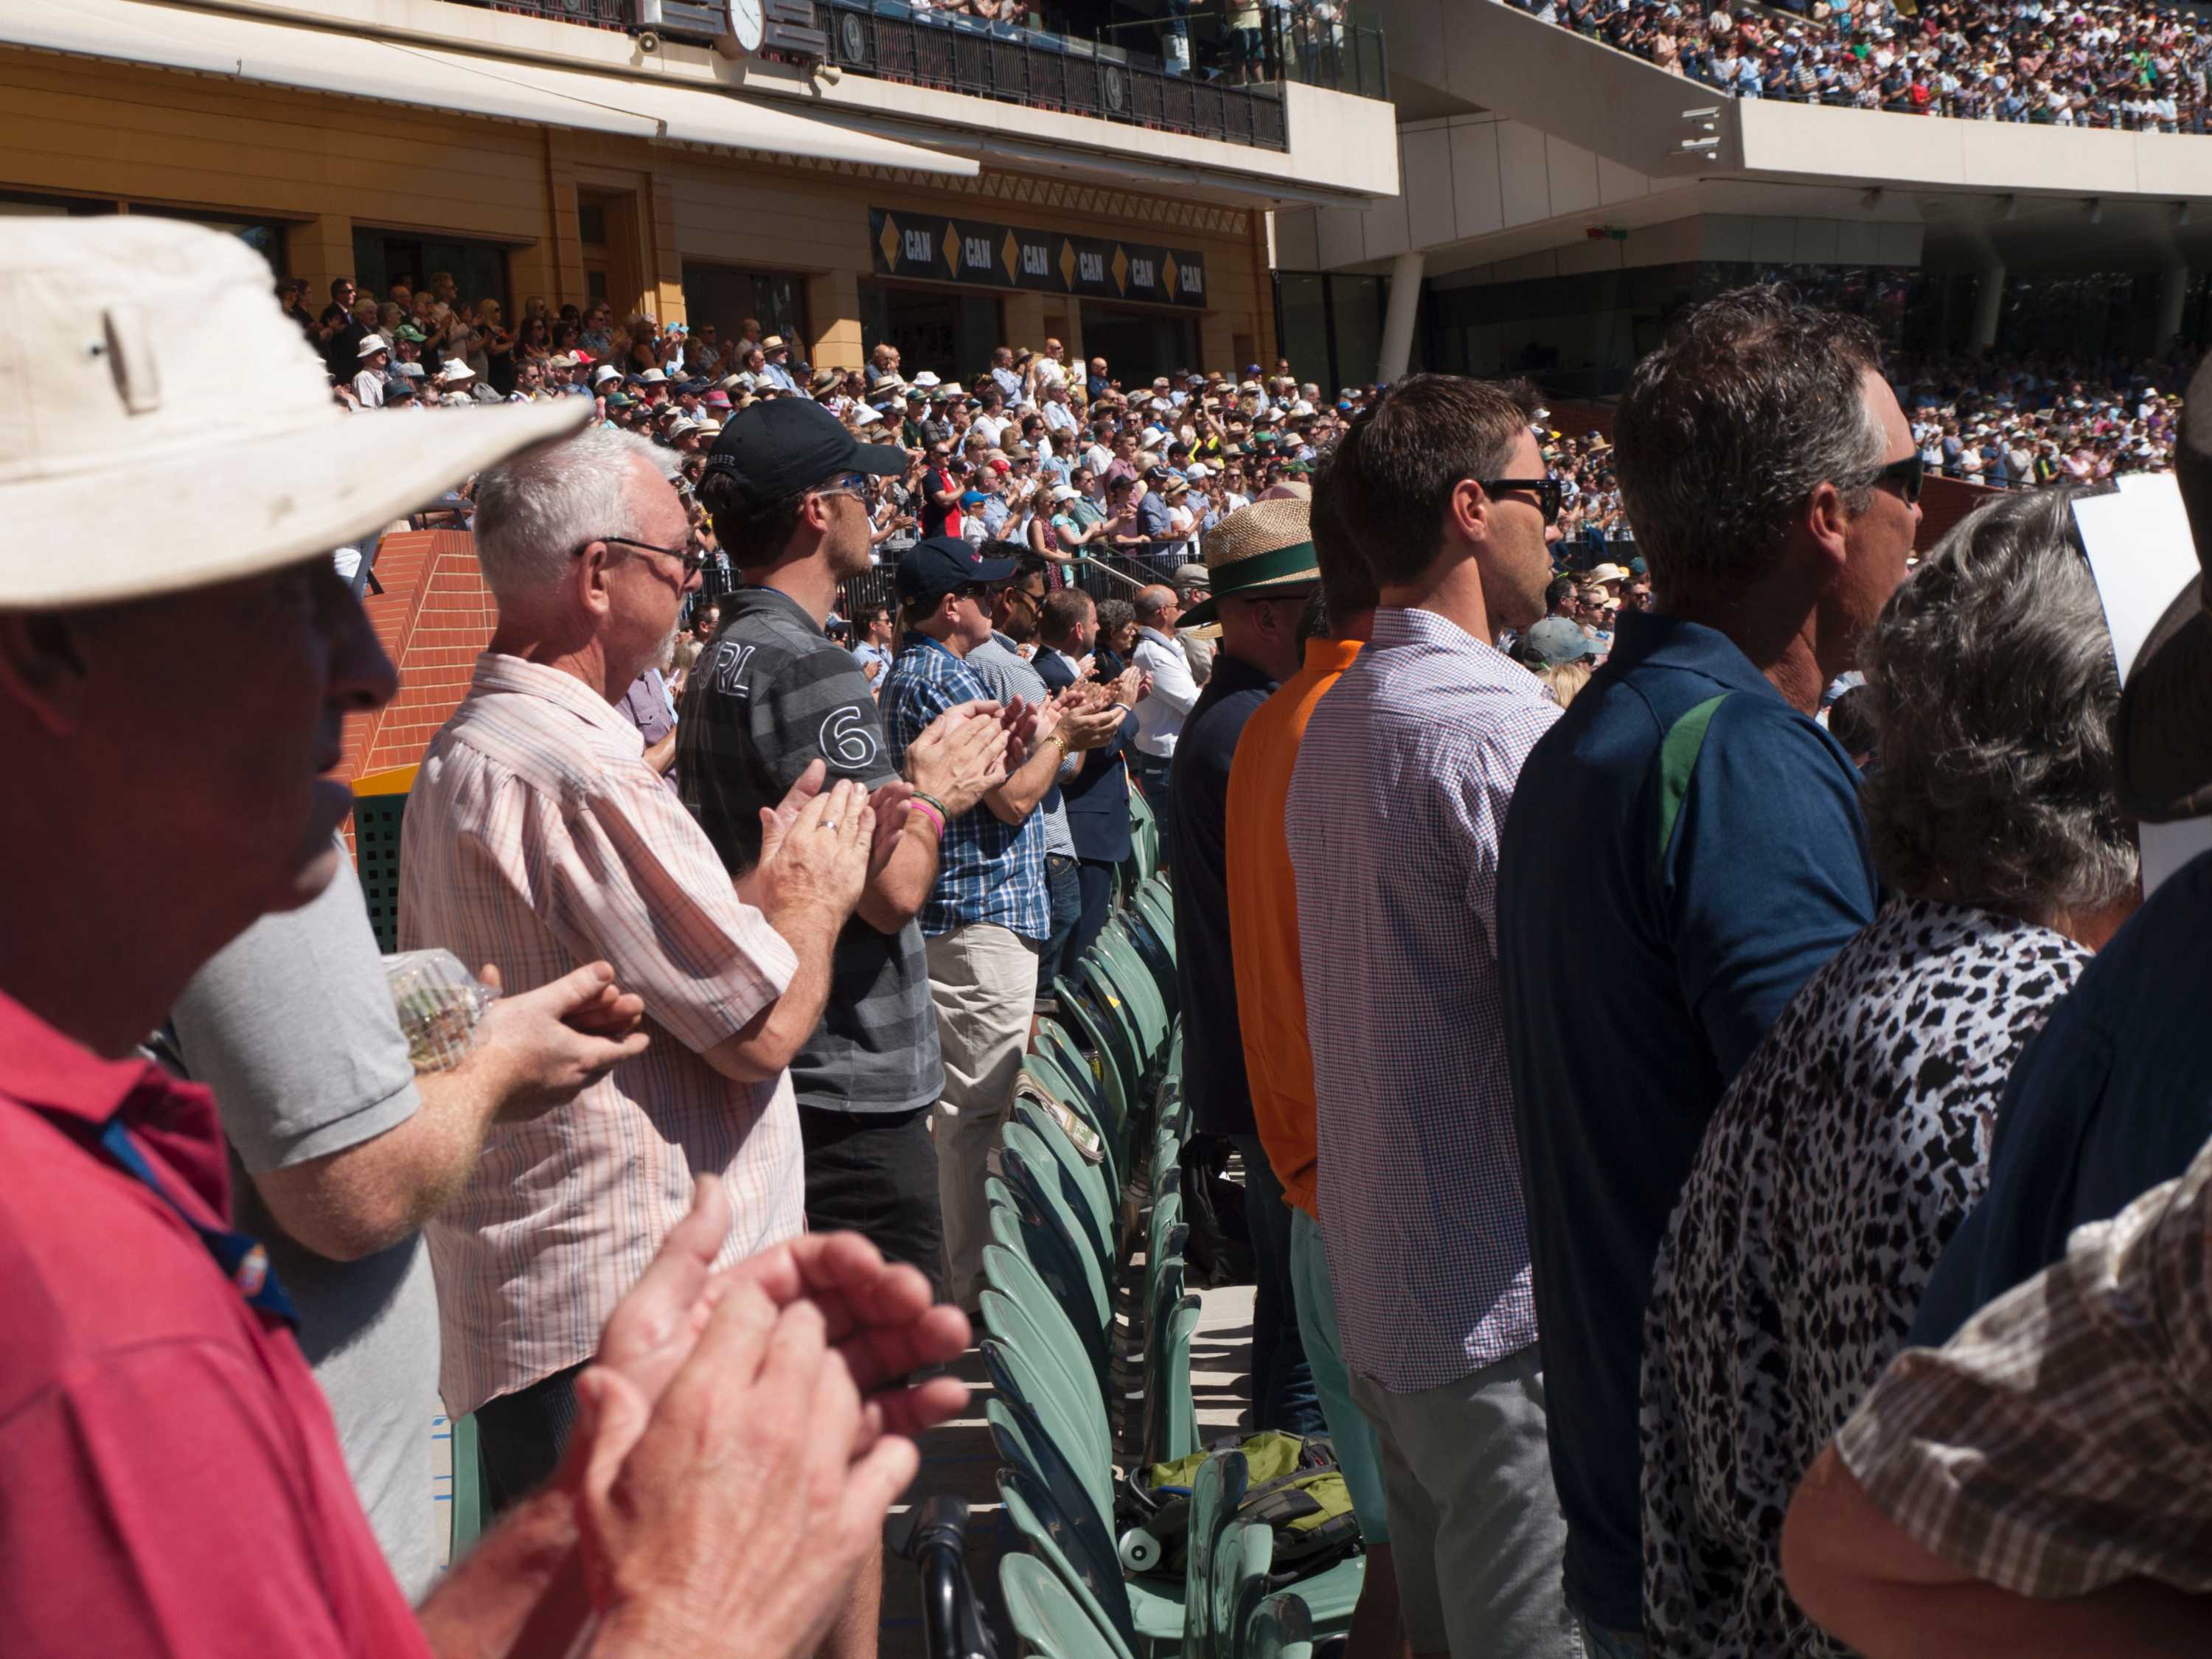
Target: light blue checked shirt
<point x="986" y="870"/>
<point x="1396" y="804"/>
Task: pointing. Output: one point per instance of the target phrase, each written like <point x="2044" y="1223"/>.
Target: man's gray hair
<point x="1994" y="689"/>
<point x="1754" y="401"/>
<point x="535" y="511"/>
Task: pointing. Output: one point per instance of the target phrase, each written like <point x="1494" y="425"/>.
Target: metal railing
<point x="956" y="52"/>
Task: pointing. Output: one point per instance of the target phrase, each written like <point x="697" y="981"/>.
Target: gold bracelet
<point x="1055" y="736"/>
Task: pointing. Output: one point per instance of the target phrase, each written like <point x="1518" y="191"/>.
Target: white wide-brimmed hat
<point x="109" y="420"/>
<point x="371" y="344"/>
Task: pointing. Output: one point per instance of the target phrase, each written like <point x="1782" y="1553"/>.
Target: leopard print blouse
<point x="1836" y="1166"/>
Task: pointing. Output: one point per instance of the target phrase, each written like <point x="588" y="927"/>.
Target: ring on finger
<point x="829" y="824"/>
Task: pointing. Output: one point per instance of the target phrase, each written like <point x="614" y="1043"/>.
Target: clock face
<point x="747" y="23"/>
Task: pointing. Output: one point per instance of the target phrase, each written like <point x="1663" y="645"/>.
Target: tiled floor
<point x="959" y="1459"/>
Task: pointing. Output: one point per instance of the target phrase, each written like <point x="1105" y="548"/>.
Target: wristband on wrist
<point x="932" y="809"/>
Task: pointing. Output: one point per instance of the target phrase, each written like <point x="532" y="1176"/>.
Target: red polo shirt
<point x="170" y="1480"/>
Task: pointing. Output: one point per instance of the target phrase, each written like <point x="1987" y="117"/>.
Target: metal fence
<point x="958" y="53"/>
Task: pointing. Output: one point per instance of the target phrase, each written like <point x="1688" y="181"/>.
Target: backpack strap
<point x="1678" y="760"/>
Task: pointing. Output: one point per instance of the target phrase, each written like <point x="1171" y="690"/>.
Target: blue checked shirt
<point x="986" y="870"/>
<point x="1396" y="804"/>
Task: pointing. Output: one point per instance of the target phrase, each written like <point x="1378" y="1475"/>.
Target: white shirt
<point x="368" y="387"/>
<point x="1160" y="714"/>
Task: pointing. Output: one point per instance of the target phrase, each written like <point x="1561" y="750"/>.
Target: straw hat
<point x="1261" y="552"/>
<point x="268" y="473"/>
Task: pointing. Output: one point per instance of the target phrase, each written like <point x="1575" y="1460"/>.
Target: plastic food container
<point x="439" y="1002"/>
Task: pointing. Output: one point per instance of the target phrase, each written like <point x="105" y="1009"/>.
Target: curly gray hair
<point x="1994" y="689"/>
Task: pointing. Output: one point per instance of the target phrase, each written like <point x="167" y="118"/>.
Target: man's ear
<point x="44" y="668"/>
<point x="594" y="566"/>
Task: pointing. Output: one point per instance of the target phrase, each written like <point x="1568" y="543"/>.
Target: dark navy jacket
<point x="2110" y="1098"/>
<point x="1097" y="797"/>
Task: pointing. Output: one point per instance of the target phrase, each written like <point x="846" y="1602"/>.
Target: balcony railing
<point x="957" y="52"/>
<point x="1212" y="68"/>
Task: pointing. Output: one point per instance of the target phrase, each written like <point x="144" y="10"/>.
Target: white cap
<point x="233" y="482"/>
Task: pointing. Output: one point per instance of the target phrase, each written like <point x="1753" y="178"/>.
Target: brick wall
<point x="434" y="617"/>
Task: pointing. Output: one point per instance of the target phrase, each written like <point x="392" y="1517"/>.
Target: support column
<point x="1398" y="320"/>
<point x="2172" y="297"/>
<point x="1989" y="305"/>
<point x="1023" y="320"/>
<point x="833" y="312"/>
<point x="321" y="251"/>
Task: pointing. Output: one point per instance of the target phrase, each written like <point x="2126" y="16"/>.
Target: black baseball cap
<point x="776" y="448"/>
<point x="935" y="565"/>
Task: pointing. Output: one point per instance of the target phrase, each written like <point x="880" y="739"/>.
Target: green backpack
<point x="1295" y="1489"/>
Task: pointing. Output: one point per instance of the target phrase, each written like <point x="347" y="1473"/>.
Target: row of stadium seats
<point x="1087" y="1226"/>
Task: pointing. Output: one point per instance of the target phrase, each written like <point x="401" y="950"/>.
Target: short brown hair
<point x="1062" y="615"/>
<point x="1755" y="400"/>
<point x="1347" y="586"/>
<point x="1396" y="472"/>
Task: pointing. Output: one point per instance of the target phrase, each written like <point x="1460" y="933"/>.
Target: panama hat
<point x="2165" y="762"/>
<point x="1261" y="552"/>
<point x="266" y="475"/>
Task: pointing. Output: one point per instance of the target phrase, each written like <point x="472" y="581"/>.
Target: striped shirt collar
<point x="497" y="671"/>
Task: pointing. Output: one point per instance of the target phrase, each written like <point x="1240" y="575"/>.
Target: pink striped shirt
<point x="536" y="839"/>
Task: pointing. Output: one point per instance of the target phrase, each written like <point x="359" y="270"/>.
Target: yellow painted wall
<point x="77" y="127"/>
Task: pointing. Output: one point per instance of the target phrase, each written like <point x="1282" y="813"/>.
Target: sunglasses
<point x="1550" y="493"/>
<point x="692" y="563"/>
<point x="1907" y="476"/>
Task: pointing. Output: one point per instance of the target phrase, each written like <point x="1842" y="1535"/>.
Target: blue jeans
<point x="1152" y="775"/>
<point x="1066" y="888"/>
<point x="1283" y="1394"/>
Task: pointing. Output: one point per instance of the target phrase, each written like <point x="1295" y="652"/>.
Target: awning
<point x="356" y="66"/>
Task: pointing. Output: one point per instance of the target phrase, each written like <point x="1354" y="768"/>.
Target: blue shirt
<point x="1400" y="787"/>
<point x="1637" y="980"/>
<point x="2109" y="1099"/>
<point x="988" y="870"/>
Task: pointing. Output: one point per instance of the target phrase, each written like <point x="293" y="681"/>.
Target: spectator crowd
<point x="1728" y="1176"/>
<point x="2132" y="67"/>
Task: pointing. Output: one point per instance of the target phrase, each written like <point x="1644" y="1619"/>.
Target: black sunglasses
<point x="1549" y="492"/>
<point x="1907" y="475"/>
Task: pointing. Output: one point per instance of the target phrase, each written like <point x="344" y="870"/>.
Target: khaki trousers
<point x="983" y="979"/>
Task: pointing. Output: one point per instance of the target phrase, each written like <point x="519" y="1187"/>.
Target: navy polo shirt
<point x="2110" y="1098"/>
<point x="1637" y="980"/>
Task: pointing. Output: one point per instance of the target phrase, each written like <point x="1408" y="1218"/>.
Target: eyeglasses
<point x="692" y="563"/>
<point x="855" y="484"/>
<point x="1907" y="475"/>
<point x="1549" y="492"/>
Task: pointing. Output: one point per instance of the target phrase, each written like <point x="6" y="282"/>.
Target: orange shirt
<point x="1263" y="919"/>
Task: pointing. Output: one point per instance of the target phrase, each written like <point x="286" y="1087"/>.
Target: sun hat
<point x="604" y="373"/>
<point x="371" y="344"/>
<point x="261" y="472"/>
<point x="1261" y="552"/>
<point x="455" y="371"/>
<point x="1557" y="640"/>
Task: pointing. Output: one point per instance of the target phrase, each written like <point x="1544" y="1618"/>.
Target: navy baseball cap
<point x="774" y="449"/>
<point x="935" y="565"/>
